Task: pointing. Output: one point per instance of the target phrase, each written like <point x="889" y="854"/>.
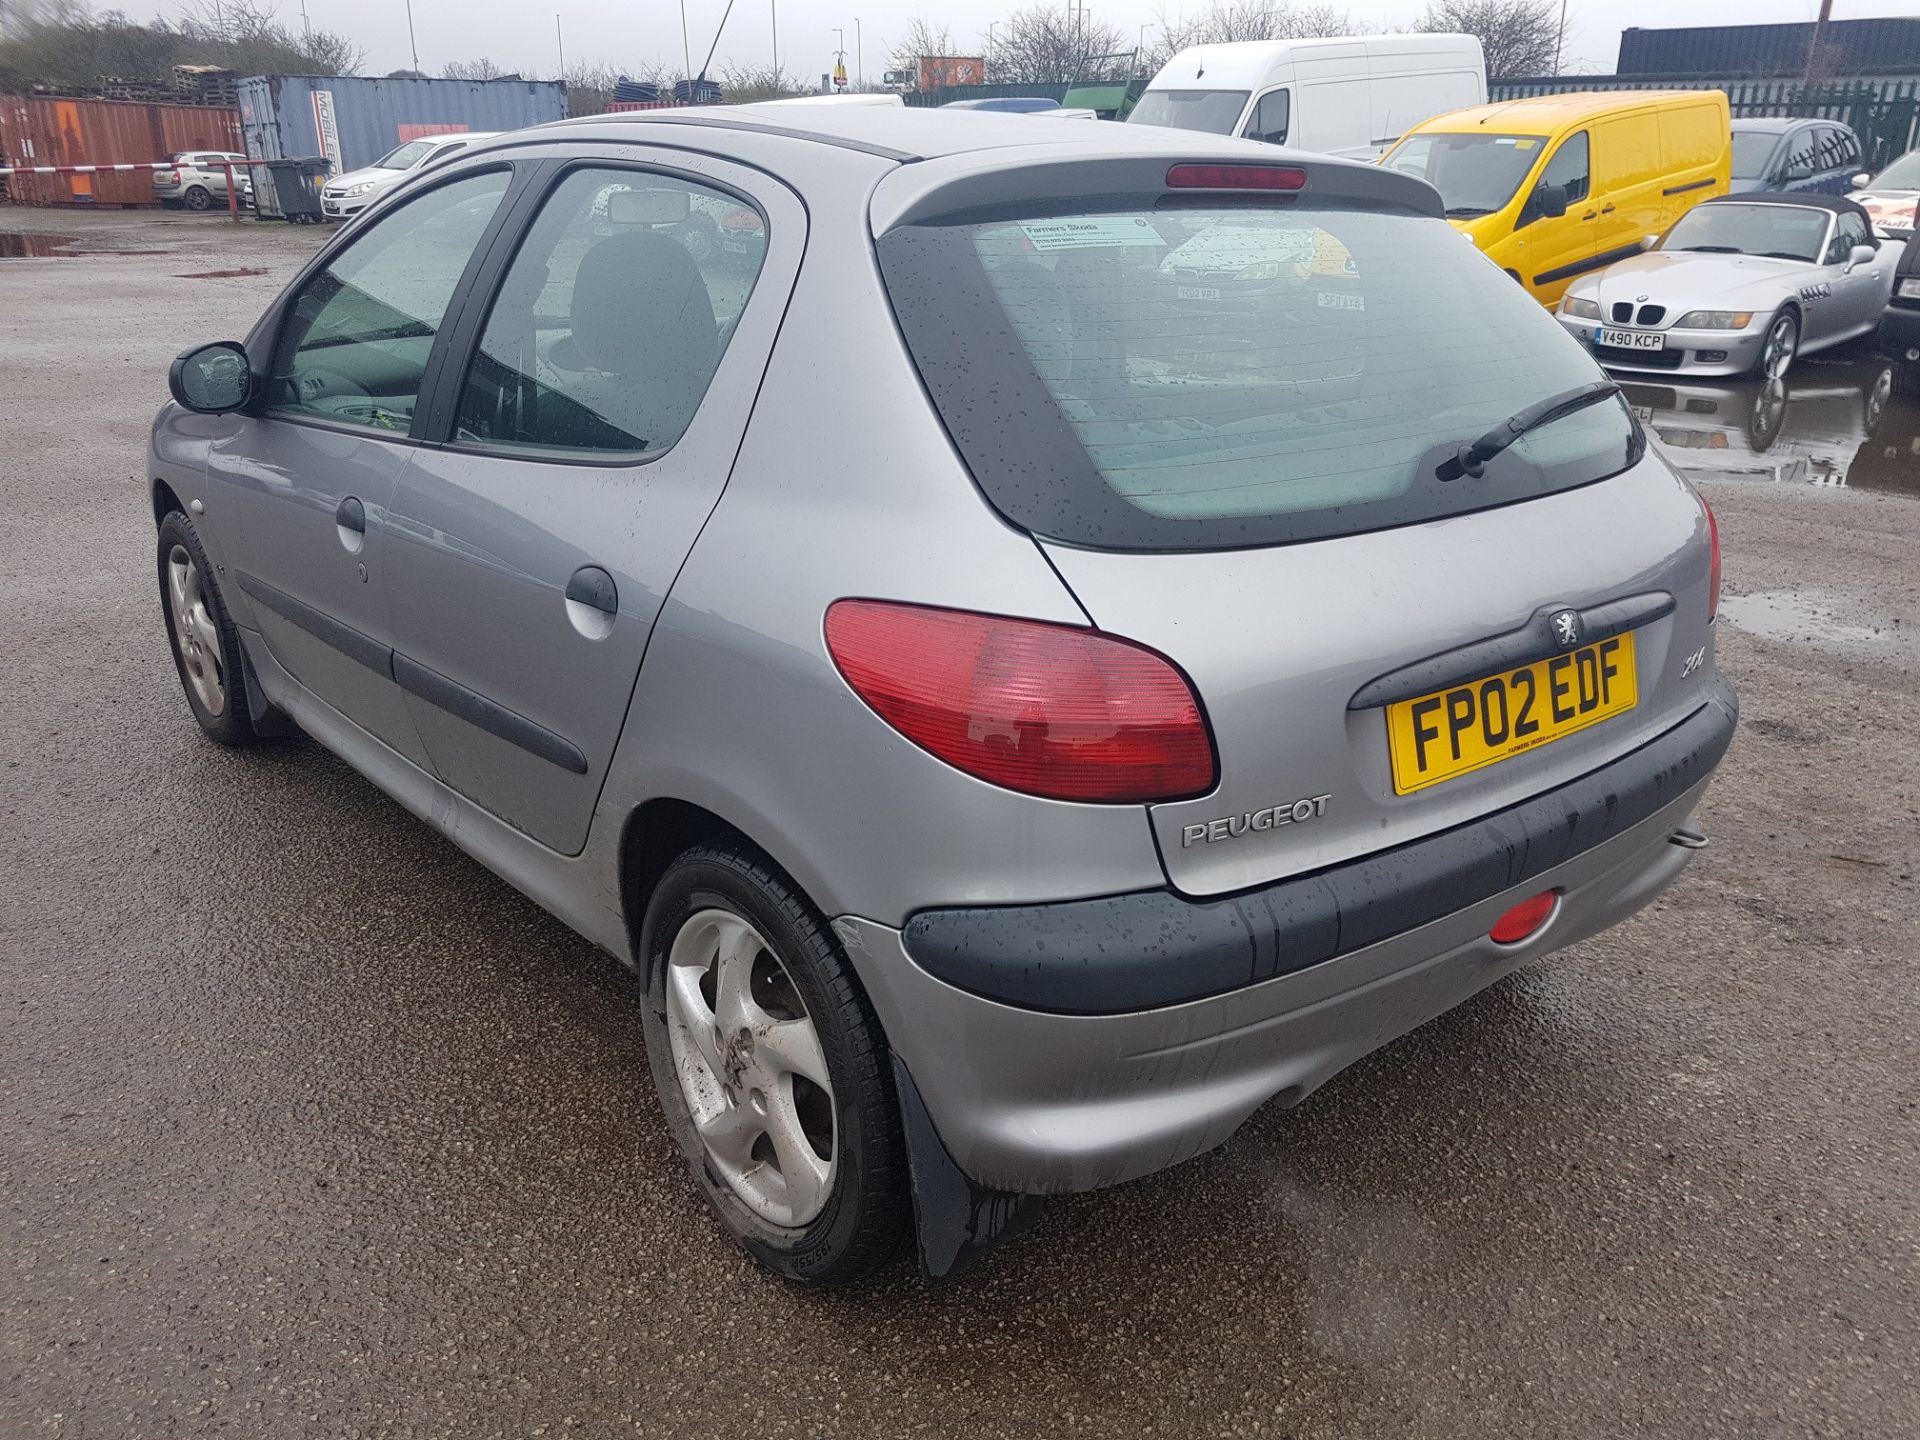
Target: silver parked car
<point x="1740" y="285"/>
<point x="1018" y="702"/>
<point x="198" y="180"/>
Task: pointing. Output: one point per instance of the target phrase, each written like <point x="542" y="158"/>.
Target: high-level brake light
<point x="1236" y="177"/>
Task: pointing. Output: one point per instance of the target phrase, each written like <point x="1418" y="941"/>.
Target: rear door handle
<point x="592" y="602"/>
<point x="1606" y="210"/>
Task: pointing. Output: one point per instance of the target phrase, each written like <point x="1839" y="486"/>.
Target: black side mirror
<point x="212" y="379"/>
<point x="1549" y="202"/>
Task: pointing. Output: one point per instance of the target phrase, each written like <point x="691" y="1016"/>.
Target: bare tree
<point x="1519" y="36"/>
<point x="62" y="45"/>
<point x="1045" y="46"/>
<point x="1226" y="21"/>
<point x="743" y="84"/>
<point x="481" y="69"/>
<point x="922" y="37"/>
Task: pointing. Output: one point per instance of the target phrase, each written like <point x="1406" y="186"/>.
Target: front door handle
<point x="592" y="602"/>
<point x="350" y="524"/>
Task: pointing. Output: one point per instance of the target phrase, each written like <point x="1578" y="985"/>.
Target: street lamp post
<point x="859" y="53"/>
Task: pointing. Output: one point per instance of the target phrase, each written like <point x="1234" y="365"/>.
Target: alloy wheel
<point x="196" y="636"/>
<point x="1783" y="339"/>
<point x="751" y="1068"/>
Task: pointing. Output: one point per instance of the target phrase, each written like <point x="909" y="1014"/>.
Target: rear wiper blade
<point x="1472" y="459"/>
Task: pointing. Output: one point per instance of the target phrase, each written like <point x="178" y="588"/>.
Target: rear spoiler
<point x="981" y="181"/>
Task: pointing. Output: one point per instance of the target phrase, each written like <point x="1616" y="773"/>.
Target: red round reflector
<point x="1524" y="920"/>
<point x="1044" y="709"/>
<point x="1236" y="177"/>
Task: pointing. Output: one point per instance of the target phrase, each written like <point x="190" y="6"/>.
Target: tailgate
<point x="1281" y="642"/>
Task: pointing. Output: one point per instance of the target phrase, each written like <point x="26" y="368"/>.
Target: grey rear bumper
<point x="1036" y="1101"/>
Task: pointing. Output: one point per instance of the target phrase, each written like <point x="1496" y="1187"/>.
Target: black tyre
<point x="198" y="197"/>
<point x="206" y="647"/>
<point x="1777" y="349"/>
<point x="1906" y="378"/>
<point x="772" y="1070"/>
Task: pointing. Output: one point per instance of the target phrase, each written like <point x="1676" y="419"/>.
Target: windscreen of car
<point x="1782" y="232"/>
<point x="1751" y="151"/>
<point x="406" y="157"/>
<point x="1902" y="174"/>
<point x="1212" y="376"/>
<point x="1475" y="174"/>
<point x="1216" y="112"/>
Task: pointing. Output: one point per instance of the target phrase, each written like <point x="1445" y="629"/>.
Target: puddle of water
<point x="218" y="274"/>
<point x="31" y="244"/>
<point x="1832" y="423"/>
<point x="1805" y="615"/>
<point x="43" y="245"/>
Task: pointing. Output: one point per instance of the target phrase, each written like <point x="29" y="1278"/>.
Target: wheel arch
<point x="165" y="501"/>
<point x="654" y="835"/>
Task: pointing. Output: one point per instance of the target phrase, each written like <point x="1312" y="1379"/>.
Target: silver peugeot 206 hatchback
<point x="1064" y="635"/>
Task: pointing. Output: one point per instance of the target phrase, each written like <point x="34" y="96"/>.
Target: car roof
<point x="914" y="133"/>
<point x="1801" y="199"/>
<point x="1546" y="112"/>
<point x="1776" y="124"/>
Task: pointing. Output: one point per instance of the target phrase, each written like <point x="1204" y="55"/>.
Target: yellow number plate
<point x="1469" y="727"/>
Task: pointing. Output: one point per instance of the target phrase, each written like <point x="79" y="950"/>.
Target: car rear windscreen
<point x="1211" y="375"/>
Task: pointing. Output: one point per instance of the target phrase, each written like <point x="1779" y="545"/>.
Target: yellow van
<point x="1553" y="186"/>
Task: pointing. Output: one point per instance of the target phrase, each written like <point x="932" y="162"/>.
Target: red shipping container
<point x="41" y="130"/>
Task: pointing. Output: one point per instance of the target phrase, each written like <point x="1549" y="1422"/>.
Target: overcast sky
<point x="521" y="36"/>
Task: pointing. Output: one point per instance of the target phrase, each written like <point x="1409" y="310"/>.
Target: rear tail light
<point x="1236" y="177"/>
<point x="1713" y="567"/>
<point x="1524" y="920"/>
<point x="1044" y="709"/>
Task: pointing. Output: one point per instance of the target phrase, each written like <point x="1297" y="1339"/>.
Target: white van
<point x="1353" y="96"/>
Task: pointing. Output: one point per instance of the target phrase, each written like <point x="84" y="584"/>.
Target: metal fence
<point x="1884" y="113"/>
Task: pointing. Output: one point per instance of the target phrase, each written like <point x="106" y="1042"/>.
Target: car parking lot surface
<point x="309" y="1126"/>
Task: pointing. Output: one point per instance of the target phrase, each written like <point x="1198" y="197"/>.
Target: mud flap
<point x="955" y="1221"/>
<point x="269" y="722"/>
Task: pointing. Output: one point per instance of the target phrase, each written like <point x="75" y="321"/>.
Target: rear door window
<point x="1208" y="376"/>
<point x="611" y="320"/>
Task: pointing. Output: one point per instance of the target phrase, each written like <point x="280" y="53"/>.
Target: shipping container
<point x="353" y="120"/>
<point x="46" y="130"/>
<point x="1853" y="47"/>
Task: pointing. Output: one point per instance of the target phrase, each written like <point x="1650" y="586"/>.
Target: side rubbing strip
<point x="477" y="710"/>
<point x="1592" y="262"/>
<point x="344" y="638"/>
<point x="1690" y="185"/>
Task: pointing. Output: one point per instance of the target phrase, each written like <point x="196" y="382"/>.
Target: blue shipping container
<point x="352" y="120"/>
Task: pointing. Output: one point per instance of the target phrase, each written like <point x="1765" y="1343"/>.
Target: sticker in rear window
<point x="1091" y="232"/>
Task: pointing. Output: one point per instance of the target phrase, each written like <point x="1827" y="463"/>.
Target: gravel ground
<point x="311" y="1127"/>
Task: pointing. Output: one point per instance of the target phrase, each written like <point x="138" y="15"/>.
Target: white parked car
<point x="347" y="195"/>
<point x="1741" y="285"/>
